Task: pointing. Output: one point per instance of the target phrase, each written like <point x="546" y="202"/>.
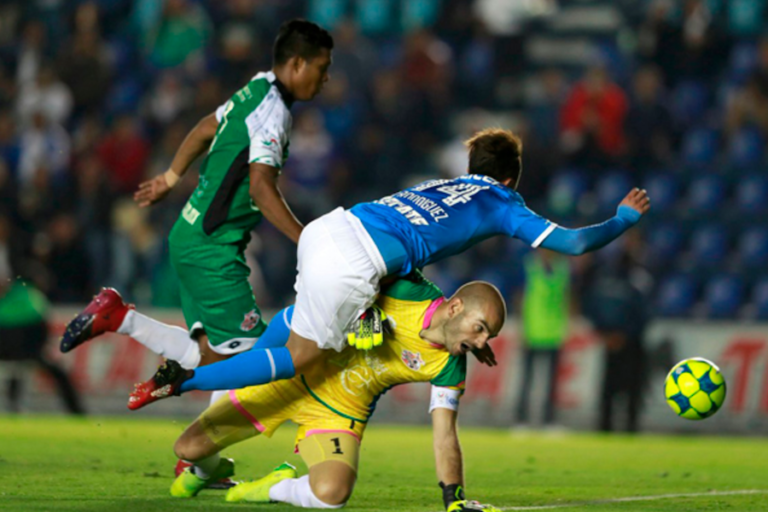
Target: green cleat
<point x="258" y="491"/>
<point x="187" y="484"/>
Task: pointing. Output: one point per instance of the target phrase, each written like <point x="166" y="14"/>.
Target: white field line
<point x="641" y="498"/>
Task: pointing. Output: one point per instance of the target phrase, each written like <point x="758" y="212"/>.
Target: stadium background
<point x="96" y="96"/>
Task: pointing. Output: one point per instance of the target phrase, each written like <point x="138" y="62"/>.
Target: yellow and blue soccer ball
<point x="695" y="388"/>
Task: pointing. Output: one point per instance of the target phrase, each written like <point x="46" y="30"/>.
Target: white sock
<point x="215" y="395"/>
<point x="203" y="468"/>
<point x="298" y="493"/>
<point x="166" y="340"/>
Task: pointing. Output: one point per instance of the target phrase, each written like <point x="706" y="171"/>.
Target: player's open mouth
<point x="465" y="348"/>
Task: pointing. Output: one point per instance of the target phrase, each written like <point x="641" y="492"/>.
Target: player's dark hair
<point x="497" y="153"/>
<point x="300" y="38"/>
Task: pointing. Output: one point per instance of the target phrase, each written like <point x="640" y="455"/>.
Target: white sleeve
<point x="220" y="112"/>
<point x="268" y="128"/>
<point x="444" y="398"/>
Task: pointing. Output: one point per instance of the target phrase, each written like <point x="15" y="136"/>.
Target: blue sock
<point x="252" y="368"/>
<point x="277" y="331"/>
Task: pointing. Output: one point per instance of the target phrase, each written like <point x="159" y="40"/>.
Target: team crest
<point x="250" y="320"/>
<point x="411" y="360"/>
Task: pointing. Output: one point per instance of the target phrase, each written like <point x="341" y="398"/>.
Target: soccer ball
<point x="695" y="388"/>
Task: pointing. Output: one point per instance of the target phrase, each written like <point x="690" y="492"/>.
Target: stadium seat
<point x="665" y="241"/>
<point x="723" y="297"/>
<point x="689" y="103"/>
<point x="700" y="147"/>
<point x="706" y="195"/>
<point x="745" y="149"/>
<point x="663" y="189"/>
<point x="709" y="246"/>
<point x="753" y="249"/>
<point x="565" y="191"/>
<point x="760" y="299"/>
<point x="676" y="296"/>
<point x="752" y="195"/>
<point x="610" y="189"/>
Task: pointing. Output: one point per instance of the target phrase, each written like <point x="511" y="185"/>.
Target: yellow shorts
<point x="247" y="412"/>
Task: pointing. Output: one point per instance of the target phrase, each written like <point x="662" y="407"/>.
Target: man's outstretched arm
<point x="575" y="242"/>
<point x="195" y="144"/>
<point x="449" y="462"/>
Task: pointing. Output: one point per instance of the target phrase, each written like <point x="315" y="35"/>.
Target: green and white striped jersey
<point x="254" y="126"/>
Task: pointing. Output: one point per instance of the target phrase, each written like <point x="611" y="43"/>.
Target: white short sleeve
<point x="220" y="112"/>
<point x="444" y="398"/>
<point x="268" y="128"/>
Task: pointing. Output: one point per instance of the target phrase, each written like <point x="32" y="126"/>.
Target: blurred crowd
<point x="95" y="96"/>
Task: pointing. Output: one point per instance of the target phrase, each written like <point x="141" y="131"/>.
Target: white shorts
<point x="339" y="272"/>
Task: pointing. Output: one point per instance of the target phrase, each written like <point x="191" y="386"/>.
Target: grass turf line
<point x="51" y="463"/>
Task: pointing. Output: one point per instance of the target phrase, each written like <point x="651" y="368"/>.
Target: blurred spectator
<point x="476" y="69"/>
<point x="9" y="196"/>
<point x="544" y="320"/>
<point x="94" y="215"/>
<point x="649" y="122"/>
<point x="124" y="152"/>
<point x="748" y="107"/>
<point x="176" y="34"/>
<point x="702" y="49"/>
<point x="168" y="99"/>
<point x="312" y="161"/>
<point x="208" y="96"/>
<point x="353" y="56"/>
<point x="66" y="257"/>
<point x="241" y="49"/>
<point x="85" y="70"/>
<point x="46" y="95"/>
<point x="592" y="120"/>
<point x="44" y="145"/>
<point x="341" y="110"/>
<point x="87" y="135"/>
<point x="7" y="89"/>
<point x="30" y="53"/>
<point x="10" y="150"/>
<point x="23" y="335"/>
<point x="616" y="301"/>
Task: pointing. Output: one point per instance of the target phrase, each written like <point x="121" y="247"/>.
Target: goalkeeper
<point x="333" y="401"/>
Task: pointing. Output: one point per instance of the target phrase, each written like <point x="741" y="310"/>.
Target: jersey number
<point x="337" y="444"/>
<point x="459" y="193"/>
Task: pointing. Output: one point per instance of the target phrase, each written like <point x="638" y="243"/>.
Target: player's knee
<point x="332" y="492"/>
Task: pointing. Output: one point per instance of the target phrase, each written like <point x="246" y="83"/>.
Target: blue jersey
<point x="439" y="218"/>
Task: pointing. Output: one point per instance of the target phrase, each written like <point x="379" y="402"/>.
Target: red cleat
<point x="166" y="382"/>
<point x="105" y="313"/>
<point x="223" y="484"/>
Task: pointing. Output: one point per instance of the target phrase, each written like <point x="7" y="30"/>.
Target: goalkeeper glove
<point x="368" y="330"/>
<point x="453" y="497"/>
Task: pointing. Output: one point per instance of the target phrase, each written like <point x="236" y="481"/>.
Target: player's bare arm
<point x="450" y="464"/>
<point x="267" y="196"/>
<point x="195" y="144"/>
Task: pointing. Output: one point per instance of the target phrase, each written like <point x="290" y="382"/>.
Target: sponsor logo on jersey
<point x="250" y="320"/>
<point x="412" y="360"/>
<point x="269" y="142"/>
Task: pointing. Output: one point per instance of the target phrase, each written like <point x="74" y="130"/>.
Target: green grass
<point x="118" y="464"/>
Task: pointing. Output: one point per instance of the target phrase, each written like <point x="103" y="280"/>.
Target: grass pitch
<point x="125" y="464"/>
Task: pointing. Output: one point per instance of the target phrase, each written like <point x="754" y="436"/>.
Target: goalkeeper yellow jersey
<point x="350" y="382"/>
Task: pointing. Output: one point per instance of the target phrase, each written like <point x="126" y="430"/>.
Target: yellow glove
<point x="367" y="331"/>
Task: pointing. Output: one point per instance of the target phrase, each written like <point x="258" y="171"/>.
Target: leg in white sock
<point x="166" y="340"/>
<point x="298" y="493"/>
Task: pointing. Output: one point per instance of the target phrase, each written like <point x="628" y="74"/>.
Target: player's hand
<point x="637" y="200"/>
<point x="152" y="191"/>
<point x="470" y="506"/>
<point x="368" y="330"/>
<point x="485" y="355"/>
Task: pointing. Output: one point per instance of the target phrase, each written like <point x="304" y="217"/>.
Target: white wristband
<point x="171" y="178"/>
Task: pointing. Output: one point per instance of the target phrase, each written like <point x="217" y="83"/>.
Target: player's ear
<point x="455" y="306"/>
<point x="298" y="63"/>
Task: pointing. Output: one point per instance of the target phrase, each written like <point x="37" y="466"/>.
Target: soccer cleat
<point x="166" y="382"/>
<point x="368" y="330"/>
<point x="188" y="484"/>
<point x="105" y="313"/>
<point x="220" y="484"/>
<point x="258" y="491"/>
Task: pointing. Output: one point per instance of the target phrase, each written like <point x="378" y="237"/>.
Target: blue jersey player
<point x="343" y="255"/>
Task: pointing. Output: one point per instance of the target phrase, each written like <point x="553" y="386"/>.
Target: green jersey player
<point x="247" y="141"/>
